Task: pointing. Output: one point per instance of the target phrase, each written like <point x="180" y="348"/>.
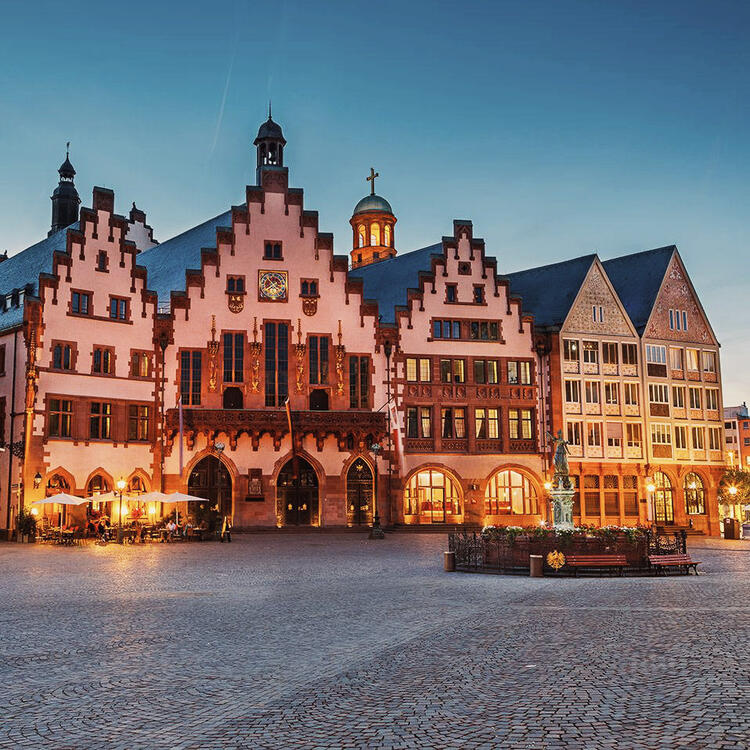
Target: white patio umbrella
<point x="154" y="497"/>
<point x="62" y="498"/>
<point x="181" y="497"/>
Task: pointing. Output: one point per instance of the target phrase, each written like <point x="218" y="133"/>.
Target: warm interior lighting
<point x="548" y="486"/>
<point x="121" y="484"/>
<point x="692" y="485"/>
<point x="34" y="511"/>
<point x="732" y="490"/>
<point x="651" y="487"/>
<point x="152" y="509"/>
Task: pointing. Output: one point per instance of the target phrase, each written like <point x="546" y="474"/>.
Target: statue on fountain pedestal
<point x="562" y="490"/>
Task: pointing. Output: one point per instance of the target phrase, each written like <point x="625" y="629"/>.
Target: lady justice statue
<point x="562" y="490"/>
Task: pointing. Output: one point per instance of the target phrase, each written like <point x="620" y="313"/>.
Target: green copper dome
<point x="373" y="203"/>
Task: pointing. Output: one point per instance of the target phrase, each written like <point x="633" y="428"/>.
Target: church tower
<point x="373" y="224"/>
<point x="270" y="144"/>
<point x="65" y="200"/>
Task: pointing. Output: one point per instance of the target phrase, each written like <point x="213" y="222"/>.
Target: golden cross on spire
<point x="371" y="180"/>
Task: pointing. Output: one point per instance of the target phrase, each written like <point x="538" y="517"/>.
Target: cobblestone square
<point x="333" y="641"/>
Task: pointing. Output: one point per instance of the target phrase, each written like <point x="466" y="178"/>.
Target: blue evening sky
<point x="558" y="127"/>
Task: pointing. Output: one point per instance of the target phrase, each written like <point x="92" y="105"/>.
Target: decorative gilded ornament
<point x="273" y="285"/>
<point x="555" y="559"/>
<point x="213" y="353"/>
<point x="310" y="306"/>
<point x="255" y="352"/>
<point x="299" y="350"/>
<point x="340" y="351"/>
<point x="236" y="302"/>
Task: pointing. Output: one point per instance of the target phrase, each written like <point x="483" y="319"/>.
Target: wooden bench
<point x="673" y="561"/>
<point x="596" y="561"/>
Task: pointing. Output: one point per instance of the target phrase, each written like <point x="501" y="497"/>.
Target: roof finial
<point x="269" y="110"/>
<point x="371" y="180"/>
<point x="67" y="149"/>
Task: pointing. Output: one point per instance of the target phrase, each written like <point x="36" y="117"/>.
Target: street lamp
<point x="651" y="488"/>
<point x="376" y="532"/>
<point x="121" y="484"/>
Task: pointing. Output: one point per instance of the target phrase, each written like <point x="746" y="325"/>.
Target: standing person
<point x="226" y="530"/>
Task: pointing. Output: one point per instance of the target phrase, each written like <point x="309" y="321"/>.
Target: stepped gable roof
<point x="637" y="279"/>
<point x="548" y="292"/>
<point x="167" y="263"/>
<point x="388" y="281"/>
<point x="24" y="268"/>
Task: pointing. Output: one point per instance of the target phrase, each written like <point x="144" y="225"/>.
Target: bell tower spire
<point x="269" y="144"/>
<point x="65" y="200"/>
<point x="373" y="224"/>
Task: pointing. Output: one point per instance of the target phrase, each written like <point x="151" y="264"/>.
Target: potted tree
<point x="26" y="526"/>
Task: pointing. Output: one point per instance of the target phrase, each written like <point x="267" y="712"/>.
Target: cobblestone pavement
<point x="333" y="641"/>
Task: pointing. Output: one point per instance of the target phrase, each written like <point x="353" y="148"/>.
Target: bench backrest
<point x="615" y="559"/>
<point x="669" y="558"/>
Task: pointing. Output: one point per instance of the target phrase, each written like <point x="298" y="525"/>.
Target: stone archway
<point x="297" y="493"/>
<point x="359" y="494"/>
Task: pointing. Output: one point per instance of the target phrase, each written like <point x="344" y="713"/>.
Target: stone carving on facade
<point x="310" y="306"/>
<point x="299" y="353"/>
<point x="340" y="352"/>
<point x="255" y="352"/>
<point x="213" y="356"/>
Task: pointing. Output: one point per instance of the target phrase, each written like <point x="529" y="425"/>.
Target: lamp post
<point x="651" y="489"/>
<point x="120" y="487"/>
<point x="388" y="350"/>
<point x="163" y="343"/>
<point x="375" y="531"/>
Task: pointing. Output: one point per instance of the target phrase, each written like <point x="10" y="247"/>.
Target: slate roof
<point x="166" y="263"/>
<point x="24" y="268"/>
<point x="548" y="292"/>
<point x="637" y="279"/>
<point x="388" y="280"/>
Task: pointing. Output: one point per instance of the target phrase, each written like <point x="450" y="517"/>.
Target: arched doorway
<point x="695" y="494"/>
<point x="297" y="492"/>
<point x="211" y="479"/>
<point x="663" y="498"/>
<point x="359" y="494"/>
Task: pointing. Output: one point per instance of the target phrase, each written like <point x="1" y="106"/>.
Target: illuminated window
<point x="432" y="495"/>
<point x="362" y="232"/>
<point x="695" y="494"/>
<point x="510" y="492"/>
<point x="374" y="234"/>
<point x="387" y="235"/>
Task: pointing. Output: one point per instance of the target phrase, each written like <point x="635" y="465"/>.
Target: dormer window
<point x="14" y="298"/>
<point x="272" y="251"/>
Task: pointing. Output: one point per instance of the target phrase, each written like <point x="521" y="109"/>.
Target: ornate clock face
<point x="273" y="285"/>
